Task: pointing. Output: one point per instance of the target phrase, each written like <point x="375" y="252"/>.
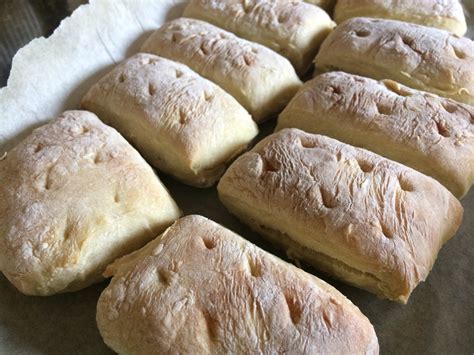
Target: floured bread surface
<point x="181" y="122"/>
<point x="443" y="14"/>
<point x="429" y="133"/>
<point x="293" y="29"/>
<point x="75" y="196"/>
<point x="260" y="79"/>
<point x="372" y="222"/>
<point x="420" y="57"/>
<point x="201" y="289"/>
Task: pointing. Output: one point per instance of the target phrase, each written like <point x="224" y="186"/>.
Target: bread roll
<point x="75" y="196"/>
<point x="182" y="123"/>
<point x="426" y="132"/>
<point x="260" y="79"/>
<point x="420" y="57"/>
<point x="293" y="29"/>
<point x="369" y="221"/>
<point x="447" y="14"/>
<point x="201" y="289"/>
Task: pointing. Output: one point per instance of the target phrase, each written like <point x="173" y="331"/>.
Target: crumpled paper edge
<point x="50" y="75"/>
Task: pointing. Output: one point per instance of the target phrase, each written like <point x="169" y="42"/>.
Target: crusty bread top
<point x="199" y="124"/>
<point x="446" y="14"/>
<point x="199" y="288"/>
<point x="365" y="211"/>
<point x="293" y="29"/>
<point x="260" y="79"/>
<point x="436" y="127"/>
<point x="74" y="195"/>
<point x="421" y="57"/>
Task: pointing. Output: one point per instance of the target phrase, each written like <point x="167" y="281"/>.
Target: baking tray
<point x="438" y="319"/>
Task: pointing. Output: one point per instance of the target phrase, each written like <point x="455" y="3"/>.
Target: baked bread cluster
<point x="360" y="178"/>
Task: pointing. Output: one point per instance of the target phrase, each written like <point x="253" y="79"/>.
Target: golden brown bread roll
<point x="420" y="57"/>
<point x="260" y="79"/>
<point x="201" y="289"/>
<point x="369" y="221"/>
<point x="181" y="122"/>
<point x="446" y="14"/>
<point x="429" y="133"/>
<point x="293" y="29"/>
<point x="75" y="196"/>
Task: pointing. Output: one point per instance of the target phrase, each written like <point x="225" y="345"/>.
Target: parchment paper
<point x="50" y="75"/>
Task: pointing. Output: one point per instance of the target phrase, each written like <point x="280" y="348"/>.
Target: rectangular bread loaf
<point x="429" y="133"/>
<point x="420" y="57"/>
<point x="369" y="221"/>
<point x="74" y="196"/>
<point x="260" y="79"/>
<point x="201" y="289"/>
<point x="446" y="15"/>
<point x="182" y="123"/>
<point x="293" y="29"/>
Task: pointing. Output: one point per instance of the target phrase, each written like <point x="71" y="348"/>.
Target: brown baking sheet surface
<point x="51" y="75"/>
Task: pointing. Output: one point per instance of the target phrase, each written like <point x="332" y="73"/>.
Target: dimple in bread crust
<point x="371" y="214"/>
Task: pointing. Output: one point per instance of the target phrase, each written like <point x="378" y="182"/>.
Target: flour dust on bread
<point x="420" y="57"/>
<point x="429" y="133"/>
<point x="260" y="79"/>
<point x="293" y="29"/>
<point x="201" y="289"/>
<point x="443" y="14"/>
<point x="369" y="221"/>
<point x="74" y="197"/>
<point x="182" y="123"/>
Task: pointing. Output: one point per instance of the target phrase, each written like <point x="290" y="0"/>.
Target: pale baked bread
<point x="420" y="57"/>
<point x="182" y="123"/>
<point x="369" y="221"/>
<point x="260" y="79"/>
<point x="293" y="29"/>
<point x="429" y="133"/>
<point x="75" y="196"/>
<point x="201" y="289"/>
<point x="444" y="14"/>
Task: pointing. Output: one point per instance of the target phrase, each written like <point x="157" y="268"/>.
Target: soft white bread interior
<point x="293" y="29"/>
<point x="74" y="197"/>
<point x="446" y="15"/>
<point x="260" y="79"/>
<point x="429" y="133"/>
<point x="182" y="123"/>
<point x="201" y="289"/>
<point x="369" y="221"/>
<point x="420" y="57"/>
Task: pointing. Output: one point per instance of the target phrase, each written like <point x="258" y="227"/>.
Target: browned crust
<point x="431" y="134"/>
<point x="420" y="57"/>
<point x="199" y="288"/>
<point x="369" y="213"/>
